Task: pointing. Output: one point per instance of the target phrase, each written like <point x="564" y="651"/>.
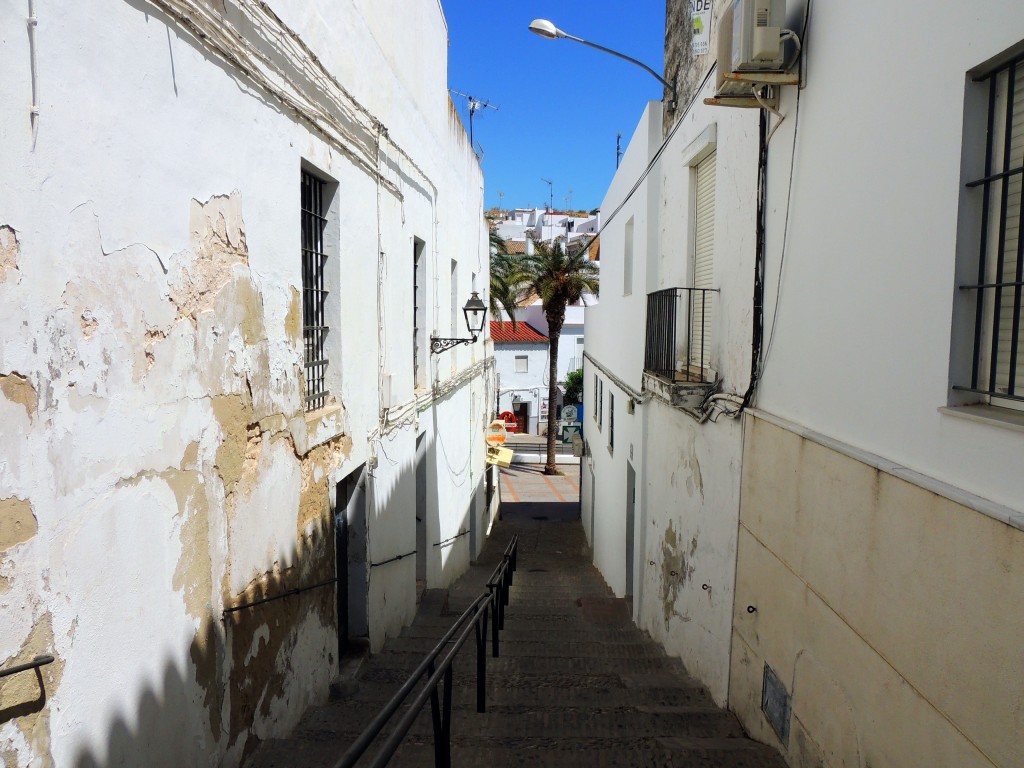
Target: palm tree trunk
<point x="555" y="318"/>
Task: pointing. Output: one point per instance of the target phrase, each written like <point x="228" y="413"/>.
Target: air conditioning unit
<point x="757" y="35"/>
<point x="750" y="51"/>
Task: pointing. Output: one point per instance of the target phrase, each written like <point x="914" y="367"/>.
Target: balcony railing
<point x="678" y="346"/>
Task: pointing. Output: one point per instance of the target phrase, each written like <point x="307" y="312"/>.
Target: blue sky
<point x="560" y="103"/>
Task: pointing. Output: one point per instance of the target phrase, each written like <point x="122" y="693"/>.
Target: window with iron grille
<point x="314" y="292"/>
<point x="997" y="282"/>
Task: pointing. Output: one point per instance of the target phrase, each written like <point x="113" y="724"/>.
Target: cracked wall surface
<point x="193" y="352"/>
<point x="151" y="370"/>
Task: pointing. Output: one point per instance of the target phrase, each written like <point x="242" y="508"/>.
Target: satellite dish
<point x="569" y="413"/>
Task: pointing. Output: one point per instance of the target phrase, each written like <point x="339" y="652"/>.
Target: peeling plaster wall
<point x="158" y="466"/>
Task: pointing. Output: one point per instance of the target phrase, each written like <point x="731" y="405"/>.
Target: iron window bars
<point x="314" y="293"/>
<point x="674" y="314"/>
<point x="998" y="330"/>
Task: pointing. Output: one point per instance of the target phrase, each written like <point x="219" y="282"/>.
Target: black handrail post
<point x="506" y="581"/>
<point x="495" y="619"/>
<point x="446" y="725"/>
<point x="435" y="717"/>
<point x="481" y="661"/>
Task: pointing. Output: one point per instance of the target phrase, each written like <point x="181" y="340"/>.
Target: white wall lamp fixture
<point x="475" y="311"/>
<point x="546" y="29"/>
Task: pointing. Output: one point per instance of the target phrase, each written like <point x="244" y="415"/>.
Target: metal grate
<point x="314" y="294"/>
<point x="674" y="316"/>
<point x="998" y="325"/>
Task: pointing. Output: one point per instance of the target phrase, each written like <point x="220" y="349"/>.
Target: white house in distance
<point x="221" y="262"/>
<point x="522" y="361"/>
<point x="521" y="224"/>
<point x="521" y="365"/>
<point x="804" y="423"/>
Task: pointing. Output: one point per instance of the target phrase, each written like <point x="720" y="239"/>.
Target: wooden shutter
<point x="703" y="262"/>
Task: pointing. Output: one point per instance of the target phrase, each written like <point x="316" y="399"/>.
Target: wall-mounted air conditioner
<point x="757" y="35"/>
<point x="751" y="53"/>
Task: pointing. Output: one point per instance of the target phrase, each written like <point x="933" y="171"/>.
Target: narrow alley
<point x="576" y="683"/>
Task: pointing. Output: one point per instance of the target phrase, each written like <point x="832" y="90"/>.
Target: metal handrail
<point x="38" y="661"/>
<point x="475" y="619"/>
<point x="287" y="593"/>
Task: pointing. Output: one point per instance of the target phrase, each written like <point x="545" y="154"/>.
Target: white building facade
<point x="226" y="237"/>
<point x="837" y="561"/>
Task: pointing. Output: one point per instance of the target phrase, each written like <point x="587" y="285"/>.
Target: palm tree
<point x="559" y="279"/>
<point x="506" y="279"/>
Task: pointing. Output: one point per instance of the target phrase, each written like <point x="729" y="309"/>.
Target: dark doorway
<point x="350" y="558"/>
<point x="421" y="513"/>
<point x="522" y="414"/>
<point x="630" y="522"/>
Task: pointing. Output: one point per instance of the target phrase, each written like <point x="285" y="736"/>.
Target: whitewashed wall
<point x="879" y="298"/>
<point x="156" y="457"/>
<point x="688" y="501"/>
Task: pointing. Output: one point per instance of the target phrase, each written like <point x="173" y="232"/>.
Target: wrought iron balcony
<point x="678" y="344"/>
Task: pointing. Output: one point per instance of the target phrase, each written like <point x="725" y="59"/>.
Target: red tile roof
<point x="524" y="332"/>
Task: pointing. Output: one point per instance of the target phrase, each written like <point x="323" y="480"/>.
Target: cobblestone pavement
<point x="577" y="684"/>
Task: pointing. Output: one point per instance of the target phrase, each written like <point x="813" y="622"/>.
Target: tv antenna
<point x="474" y="106"/>
<point x="551" y="193"/>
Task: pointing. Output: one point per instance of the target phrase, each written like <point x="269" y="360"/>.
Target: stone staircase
<point x="577" y="684"/>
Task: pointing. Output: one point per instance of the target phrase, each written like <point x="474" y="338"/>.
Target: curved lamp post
<point x="546" y="29"/>
<point x="475" y="312"/>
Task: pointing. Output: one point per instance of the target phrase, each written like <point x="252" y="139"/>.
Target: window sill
<point x="987" y="414"/>
<point x="317" y="427"/>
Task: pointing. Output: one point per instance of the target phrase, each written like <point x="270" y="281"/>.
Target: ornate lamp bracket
<point x="439" y="344"/>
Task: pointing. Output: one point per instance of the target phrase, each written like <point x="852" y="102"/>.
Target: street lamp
<point x="546" y="29"/>
<point x="475" y="311"/>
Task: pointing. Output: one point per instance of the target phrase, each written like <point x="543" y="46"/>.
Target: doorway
<point x="421" y="514"/>
<point x="630" y="520"/>
<point x="350" y="553"/>
<point x="522" y="413"/>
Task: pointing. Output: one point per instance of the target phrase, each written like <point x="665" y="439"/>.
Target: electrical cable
<point x="759" y="360"/>
<point x="789" y="196"/>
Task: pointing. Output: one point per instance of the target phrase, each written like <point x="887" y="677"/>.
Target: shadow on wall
<point x="209" y="701"/>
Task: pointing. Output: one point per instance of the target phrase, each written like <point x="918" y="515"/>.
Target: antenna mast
<point x="551" y="193"/>
<point x="474" y="105"/>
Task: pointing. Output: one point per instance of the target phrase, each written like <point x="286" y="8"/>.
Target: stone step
<point x="536" y="752"/>
<point x="576" y="684"/>
<point x="348" y="719"/>
<point x="517" y="633"/>
<point x="545" y="648"/>
<point x="399" y="660"/>
<point x="685" y="694"/>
